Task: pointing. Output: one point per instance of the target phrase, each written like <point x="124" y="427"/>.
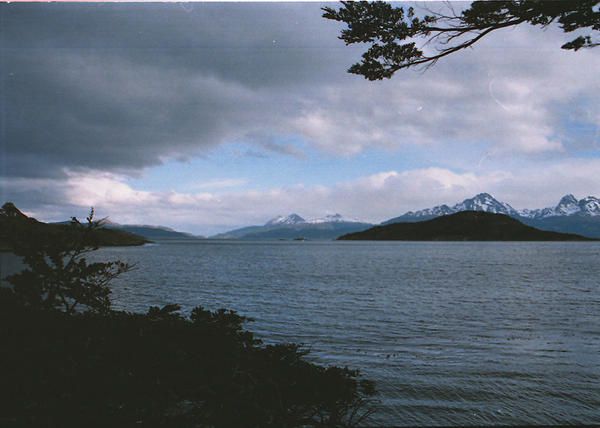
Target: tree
<point x="58" y="275"/>
<point x="398" y="37"/>
<point x="161" y="368"/>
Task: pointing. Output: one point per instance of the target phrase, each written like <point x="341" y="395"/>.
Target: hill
<point x="293" y="226"/>
<point x="152" y="233"/>
<point x="13" y="220"/>
<point x="462" y="226"/>
<point x="308" y="231"/>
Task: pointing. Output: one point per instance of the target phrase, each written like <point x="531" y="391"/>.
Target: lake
<point x="453" y="333"/>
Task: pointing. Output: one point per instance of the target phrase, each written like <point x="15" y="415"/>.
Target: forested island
<point x="462" y="226"/>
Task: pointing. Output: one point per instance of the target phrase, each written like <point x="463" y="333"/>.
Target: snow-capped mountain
<point x="293" y="226"/>
<point x="570" y="215"/>
<point x="567" y="206"/>
<point x="485" y="202"/>
<point x="481" y="202"/>
<point x="288" y="219"/>
<point x="590" y="206"/>
<point x="296" y="219"/>
<point x="432" y="212"/>
<point x="333" y="218"/>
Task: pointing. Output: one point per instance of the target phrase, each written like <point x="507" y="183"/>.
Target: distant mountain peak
<point x="568" y="205"/>
<point x="293" y="219"/>
<point x="293" y="226"/>
<point x="568" y="199"/>
<point x="590" y="206"/>
<point x="480" y="202"/>
<point x="282" y="220"/>
<point x="333" y="218"/>
<point x="484" y="202"/>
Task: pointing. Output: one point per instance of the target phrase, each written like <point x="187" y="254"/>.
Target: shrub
<point x="58" y="275"/>
<point x="68" y="360"/>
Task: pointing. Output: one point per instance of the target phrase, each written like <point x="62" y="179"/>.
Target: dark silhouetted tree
<point x="398" y="37"/>
<point x="100" y="367"/>
<point x="58" y="274"/>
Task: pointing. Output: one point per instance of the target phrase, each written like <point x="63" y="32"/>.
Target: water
<point x="453" y="333"/>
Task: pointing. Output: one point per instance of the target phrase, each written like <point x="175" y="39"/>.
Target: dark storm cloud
<point x="93" y="93"/>
<point x="121" y="87"/>
<point x="251" y="43"/>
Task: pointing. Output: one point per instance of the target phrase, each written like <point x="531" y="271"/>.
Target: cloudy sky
<point x="206" y="117"/>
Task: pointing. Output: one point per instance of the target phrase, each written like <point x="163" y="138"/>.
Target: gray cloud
<point x="116" y="88"/>
<point x="121" y="87"/>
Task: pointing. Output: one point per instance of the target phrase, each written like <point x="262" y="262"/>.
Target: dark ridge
<point x="463" y="226"/>
<point x="153" y="232"/>
<point x="16" y="224"/>
<point x="313" y="231"/>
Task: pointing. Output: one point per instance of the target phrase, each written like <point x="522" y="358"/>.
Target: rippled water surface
<point x="453" y="333"/>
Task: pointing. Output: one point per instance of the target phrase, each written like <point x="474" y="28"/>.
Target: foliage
<point x="63" y="367"/>
<point x="393" y="32"/>
<point x="161" y="369"/>
<point x="59" y="274"/>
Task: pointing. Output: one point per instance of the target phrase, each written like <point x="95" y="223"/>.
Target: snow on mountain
<point x="294" y="226"/>
<point x="335" y="218"/>
<point x="567" y="206"/>
<point x="435" y="211"/>
<point x="283" y="220"/>
<point x="481" y="202"/>
<point x="485" y="202"/>
<point x="296" y="219"/>
<point x="590" y="206"/>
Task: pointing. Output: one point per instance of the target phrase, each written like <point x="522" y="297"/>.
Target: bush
<point x="58" y="274"/>
<point x="161" y="369"/>
<point x="67" y="359"/>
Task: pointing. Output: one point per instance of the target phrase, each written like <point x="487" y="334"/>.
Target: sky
<point x="209" y="116"/>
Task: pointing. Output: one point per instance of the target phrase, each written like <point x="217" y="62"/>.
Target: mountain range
<point x="570" y="215"/>
<point x="567" y="206"/>
<point x="467" y="225"/>
<point x="152" y="233"/>
<point x="294" y="226"/>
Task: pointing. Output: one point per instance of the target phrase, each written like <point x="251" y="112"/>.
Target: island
<point x="462" y="226"/>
